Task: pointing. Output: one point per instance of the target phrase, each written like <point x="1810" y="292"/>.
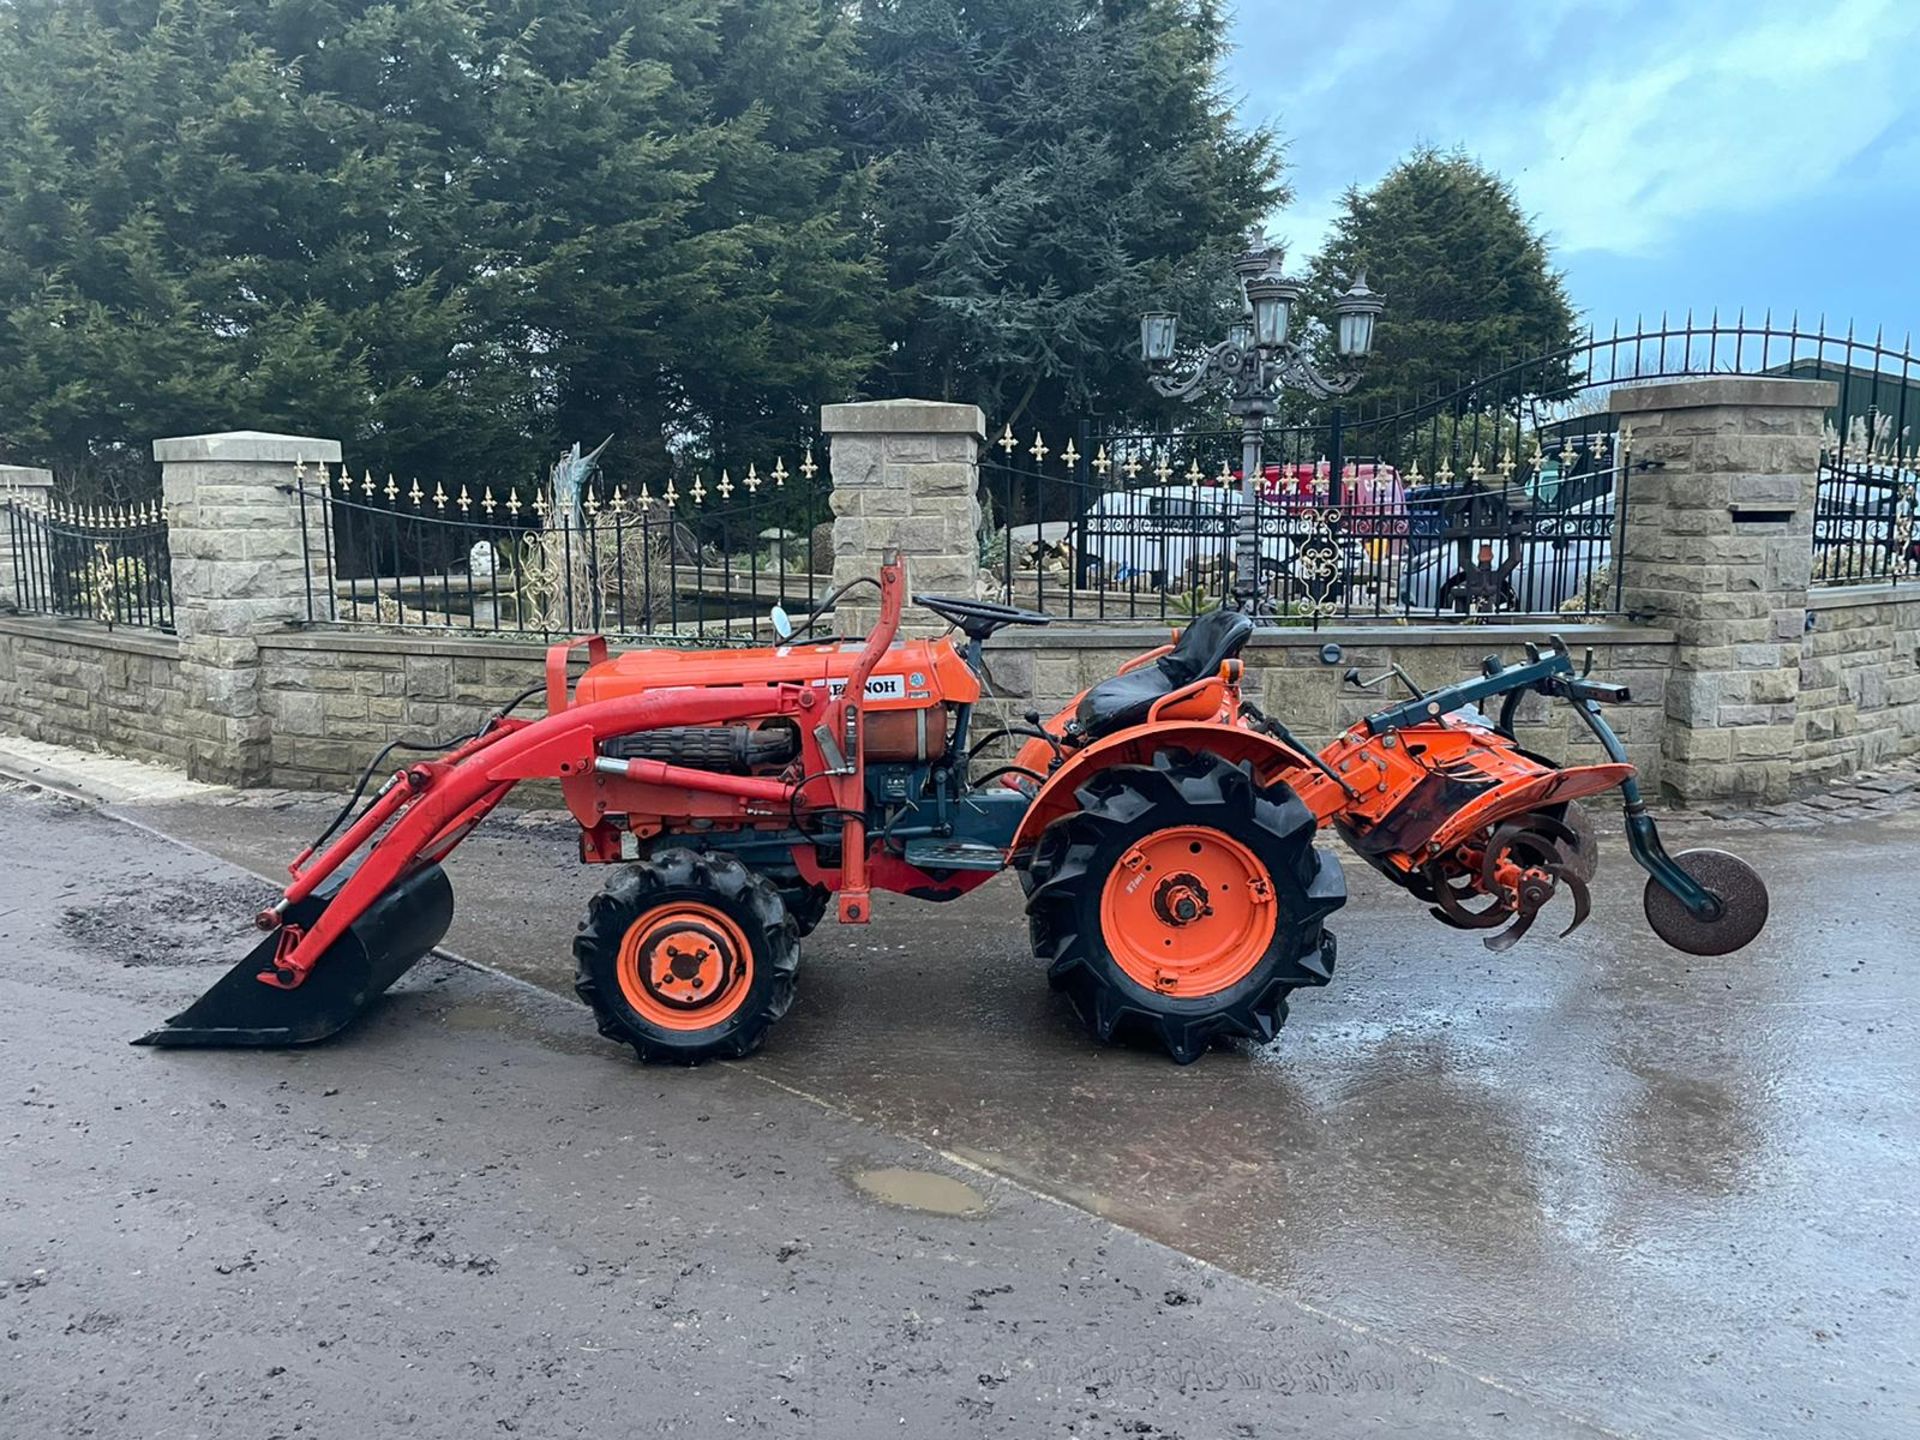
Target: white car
<point x="1176" y="537"/>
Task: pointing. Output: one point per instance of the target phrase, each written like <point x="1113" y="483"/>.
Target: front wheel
<point x="686" y="957"/>
<point x="1183" y="901"/>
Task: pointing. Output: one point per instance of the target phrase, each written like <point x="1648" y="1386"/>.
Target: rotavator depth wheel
<point x="1185" y="901"/>
<point x="686" y="956"/>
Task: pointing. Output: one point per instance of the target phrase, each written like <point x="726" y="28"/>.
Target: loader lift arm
<point x="425" y="809"/>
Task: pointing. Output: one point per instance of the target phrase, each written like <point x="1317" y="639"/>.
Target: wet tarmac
<point x="1678" y="1196"/>
<point x="466" y="1218"/>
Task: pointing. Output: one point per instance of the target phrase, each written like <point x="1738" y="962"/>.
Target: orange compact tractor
<point x="1162" y="826"/>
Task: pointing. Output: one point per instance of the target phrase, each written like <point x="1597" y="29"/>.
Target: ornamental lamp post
<point x="1257" y="361"/>
<point x="1354" y="314"/>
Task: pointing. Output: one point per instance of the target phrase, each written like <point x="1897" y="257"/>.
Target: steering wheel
<point x="978" y="619"/>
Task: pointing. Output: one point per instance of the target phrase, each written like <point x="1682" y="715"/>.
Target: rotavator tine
<point x="1508" y="938"/>
<point x="1577" y="888"/>
<point x="1458" y="914"/>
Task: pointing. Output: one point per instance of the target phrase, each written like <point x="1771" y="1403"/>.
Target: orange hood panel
<point x="912" y="675"/>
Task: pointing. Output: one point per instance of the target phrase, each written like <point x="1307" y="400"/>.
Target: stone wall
<point x="905" y="478"/>
<point x="72" y="682"/>
<point x="1859" y="696"/>
<point x="332" y="700"/>
<point x="243" y="565"/>
<point x="1288" y="679"/>
<point x="1719" y="549"/>
<point x="1736" y="697"/>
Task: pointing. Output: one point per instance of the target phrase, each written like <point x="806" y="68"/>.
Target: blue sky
<point x="1677" y="152"/>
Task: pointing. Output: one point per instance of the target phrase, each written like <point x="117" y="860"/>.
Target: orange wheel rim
<point x="685" y="967"/>
<point x="1188" y="911"/>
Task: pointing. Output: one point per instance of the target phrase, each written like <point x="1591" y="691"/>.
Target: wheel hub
<point x="1188" y="911"/>
<point x="1180" y="899"/>
<point x="684" y="966"/>
<point x="687" y="966"/>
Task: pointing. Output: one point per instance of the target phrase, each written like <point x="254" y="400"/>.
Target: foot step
<point x="932" y="853"/>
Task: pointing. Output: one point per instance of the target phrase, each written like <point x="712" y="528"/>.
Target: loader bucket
<point x="376" y="950"/>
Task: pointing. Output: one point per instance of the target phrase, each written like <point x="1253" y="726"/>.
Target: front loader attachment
<point x="387" y="940"/>
<point x="335" y="944"/>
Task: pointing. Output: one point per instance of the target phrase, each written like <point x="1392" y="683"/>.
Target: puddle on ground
<point x="495" y="1017"/>
<point x="921" y="1190"/>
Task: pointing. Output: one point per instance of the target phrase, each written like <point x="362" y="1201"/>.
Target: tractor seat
<point x="1124" y="700"/>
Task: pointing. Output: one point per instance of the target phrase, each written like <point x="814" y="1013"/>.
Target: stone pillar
<point x="1718" y="547"/>
<point x="34" y="487"/>
<point x="234" y="528"/>
<point x="906" y="477"/>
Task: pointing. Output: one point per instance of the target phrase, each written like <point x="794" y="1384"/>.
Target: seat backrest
<point x="1205" y="645"/>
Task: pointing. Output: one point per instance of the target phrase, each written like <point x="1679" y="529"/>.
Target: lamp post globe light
<point x="1254" y="365"/>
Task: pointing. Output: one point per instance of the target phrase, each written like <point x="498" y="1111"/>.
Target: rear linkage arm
<point x="1553" y="675"/>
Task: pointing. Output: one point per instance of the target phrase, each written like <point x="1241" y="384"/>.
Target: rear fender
<point x="1271" y="759"/>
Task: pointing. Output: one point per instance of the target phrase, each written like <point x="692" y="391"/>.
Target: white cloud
<point x="1710" y="118"/>
<point x="1620" y="122"/>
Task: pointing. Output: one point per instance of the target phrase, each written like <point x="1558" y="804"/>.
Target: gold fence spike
<point x="1414" y="477"/>
<point x="1505" y="467"/>
<point x="487" y="502"/>
<point x="366" y="486"/>
<point x="346" y="479"/>
<point x="1038" y="449"/>
<point x="439" y="494"/>
<point x="1163" y="471"/>
<point x="1599" y="449"/>
<point x="752" y="482"/>
<point x="1445" y="473"/>
<point x="1569" y="454"/>
<point x="699" y="491"/>
<point x="513" y="501"/>
<point x="465" y="502"/>
<point x="725" y="487"/>
<point x="591" y="504"/>
<point x="1070" y="456"/>
<point x="1006" y="441"/>
<point x="540" y="504"/>
<point x="1474" y="471"/>
<point x="670" y="496"/>
<point x="1225" y="477"/>
<point x="415" y="494"/>
<point x="300" y="474"/>
<point x="807" y="467"/>
<point x="618" y="505"/>
<point x="1101" y="464"/>
<point x="1193" y="475"/>
<point x="779" y="472"/>
<point x="1626" y="441"/>
<point x="1132" y="468"/>
<point x="645" y="497"/>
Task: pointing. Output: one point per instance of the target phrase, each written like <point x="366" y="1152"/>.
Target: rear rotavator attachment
<point x="1520" y="867"/>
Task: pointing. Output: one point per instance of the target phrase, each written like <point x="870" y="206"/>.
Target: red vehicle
<point x="1163" y="827"/>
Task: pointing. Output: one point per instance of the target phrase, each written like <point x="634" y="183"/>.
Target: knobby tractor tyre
<point x="687" y="956"/>
<point x="1183" y="902"/>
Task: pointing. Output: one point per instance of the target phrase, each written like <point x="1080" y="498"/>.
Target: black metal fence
<point x="703" y="564"/>
<point x="1500" y="498"/>
<point x="108" y="563"/>
<point x="1483" y="516"/>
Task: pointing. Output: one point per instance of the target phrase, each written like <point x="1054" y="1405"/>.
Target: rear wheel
<point x="687" y="956"/>
<point x="1184" y="902"/>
